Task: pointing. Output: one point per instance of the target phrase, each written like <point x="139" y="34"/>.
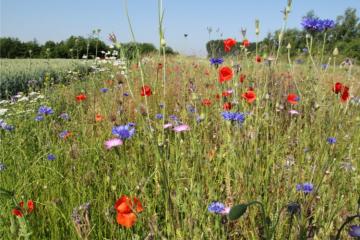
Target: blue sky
<point x="58" y="19"/>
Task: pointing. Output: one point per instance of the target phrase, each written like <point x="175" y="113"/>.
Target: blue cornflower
<point x="2" y="167"/>
<point x="51" y="157"/>
<point x="328" y="24"/>
<point x="123" y="131"/>
<point x="324" y="66"/>
<point x="161" y="105"/>
<point x="6" y="126"/>
<point x="64" y="116"/>
<point x="216" y="207"/>
<point x="234" y="116"/>
<point x="173" y="117"/>
<point x="159" y="116"/>
<point x="104" y="90"/>
<point x="331" y="140"/>
<point x="305" y="50"/>
<point x="305" y="187"/>
<point x="216" y="61"/>
<point x="39" y="118"/>
<point x="354" y="231"/>
<point x="227" y="115"/>
<point x="200" y="118"/>
<point x="312" y="24"/>
<point x="126" y="94"/>
<point x="191" y="109"/>
<point x="64" y="134"/>
<point x="44" y="110"/>
<point x="239" y="117"/>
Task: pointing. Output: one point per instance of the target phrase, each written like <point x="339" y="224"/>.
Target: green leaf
<point x="6" y="193"/>
<point x="237" y="211"/>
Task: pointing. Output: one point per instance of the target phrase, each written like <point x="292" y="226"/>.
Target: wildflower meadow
<point x="246" y="144"/>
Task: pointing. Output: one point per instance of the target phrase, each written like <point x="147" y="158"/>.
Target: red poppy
<point x="242" y="78"/>
<point x="249" y="96"/>
<point x="80" y="97"/>
<point x="17" y="212"/>
<point x="226" y="93"/>
<point x="337" y="87"/>
<point x="30" y="206"/>
<point x="345" y="94"/>
<point x="250" y="89"/>
<point x="258" y="59"/>
<point x="228" y="44"/>
<point x="217" y="96"/>
<point x="206" y="102"/>
<point x="98" y="118"/>
<point x="159" y="66"/>
<point x="227" y="106"/>
<point x="225" y="74"/>
<point x="246" y="43"/>
<point x="293" y="98"/>
<point x="126" y="210"/>
<point x="146" y="91"/>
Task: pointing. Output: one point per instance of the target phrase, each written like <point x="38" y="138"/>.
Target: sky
<point x="56" y="20"/>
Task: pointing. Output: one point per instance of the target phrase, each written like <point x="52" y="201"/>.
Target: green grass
<point x="177" y="175"/>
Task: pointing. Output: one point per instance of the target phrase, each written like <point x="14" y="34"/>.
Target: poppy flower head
<point x="246" y="43"/>
<point x="345" y="95"/>
<point x="126" y="210"/>
<point x="249" y="96"/>
<point x="293" y="98"/>
<point x="337" y="87"/>
<point x="258" y="59"/>
<point x="228" y="44"/>
<point x="206" y="102"/>
<point x="98" y="118"/>
<point x="227" y="106"/>
<point x="225" y="74"/>
<point x="30" y="206"/>
<point x="81" y="97"/>
<point x="17" y="212"/>
<point x="242" y="78"/>
<point x="146" y="91"/>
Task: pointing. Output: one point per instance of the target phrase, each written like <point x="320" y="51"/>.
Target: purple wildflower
<point x="354" y="231"/>
<point x="39" y="118"/>
<point x="181" y="128"/>
<point x="104" y="90"/>
<point x="159" y="116"/>
<point x="44" y="110"/>
<point x="331" y="140"/>
<point x="114" y="142"/>
<point x="305" y="187"/>
<point x="51" y="157"/>
<point x="123" y="131"/>
<point x="216" y="61"/>
<point x="64" y="116"/>
<point x="218" y="208"/>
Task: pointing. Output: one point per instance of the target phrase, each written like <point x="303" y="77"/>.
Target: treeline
<point x="345" y="36"/>
<point x="75" y="47"/>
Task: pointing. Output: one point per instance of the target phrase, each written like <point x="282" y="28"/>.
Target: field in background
<point x="23" y="75"/>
